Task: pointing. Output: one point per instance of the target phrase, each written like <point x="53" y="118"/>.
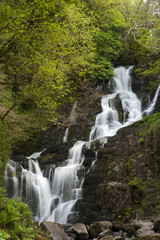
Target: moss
<point x="149" y="120"/>
<point x="41" y="235"/>
<point x="138" y="183"/>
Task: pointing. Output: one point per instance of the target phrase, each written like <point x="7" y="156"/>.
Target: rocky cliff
<point x="124" y="181"/>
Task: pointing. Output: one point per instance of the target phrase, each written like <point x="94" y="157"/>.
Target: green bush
<point x="16" y="217"/>
<point x="3" y="235"/>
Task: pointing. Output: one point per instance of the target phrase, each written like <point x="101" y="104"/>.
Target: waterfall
<point x="65" y="138"/>
<point x="107" y="122"/>
<point x="151" y="106"/>
<point x="53" y="193"/>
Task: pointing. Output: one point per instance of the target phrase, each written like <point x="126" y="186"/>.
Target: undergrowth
<point x="16" y="221"/>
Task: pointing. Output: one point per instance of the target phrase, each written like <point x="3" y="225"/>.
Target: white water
<point x="54" y="193"/>
<point x="65" y="138"/>
<point x="52" y="197"/>
<point x="107" y="122"/>
<point x="151" y="106"/>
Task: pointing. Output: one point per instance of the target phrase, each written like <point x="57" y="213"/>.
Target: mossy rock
<point x="41" y="235"/>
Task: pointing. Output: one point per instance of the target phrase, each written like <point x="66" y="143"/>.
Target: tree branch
<point x="8" y="111"/>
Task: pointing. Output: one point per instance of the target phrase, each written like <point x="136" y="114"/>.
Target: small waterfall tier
<point x="108" y="122"/>
<point x="53" y="193"/>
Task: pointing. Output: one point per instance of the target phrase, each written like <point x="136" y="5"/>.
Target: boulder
<point x="107" y="238"/>
<point x="157" y="226"/>
<point x="105" y="233"/>
<point x="80" y="231"/>
<point x="117" y="226"/>
<point x="146" y="228"/>
<point x="97" y="227"/>
<point x="55" y="230"/>
<point x="119" y="238"/>
<point x="149" y="238"/>
<point x="131" y="232"/>
<point x="119" y="235"/>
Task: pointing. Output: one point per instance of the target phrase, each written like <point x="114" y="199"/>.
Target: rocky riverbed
<point x="105" y="230"/>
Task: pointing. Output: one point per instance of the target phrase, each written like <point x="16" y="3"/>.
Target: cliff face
<point x="124" y="182"/>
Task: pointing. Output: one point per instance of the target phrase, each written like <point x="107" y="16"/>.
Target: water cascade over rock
<point x="53" y="192"/>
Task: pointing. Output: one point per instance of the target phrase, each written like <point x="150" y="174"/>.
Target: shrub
<point x="17" y="218"/>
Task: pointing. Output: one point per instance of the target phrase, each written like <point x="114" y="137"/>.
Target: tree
<point x="46" y="49"/>
<point x="142" y="36"/>
<point x="108" y="22"/>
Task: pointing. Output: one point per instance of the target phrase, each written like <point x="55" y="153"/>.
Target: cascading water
<point x="53" y="193"/>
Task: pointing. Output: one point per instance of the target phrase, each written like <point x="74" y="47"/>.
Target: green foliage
<point x="5" y="149"/>
<point x="141" y="35"/>
<point x="129" y="166"/>
<point x="138" y="183"/>
<point x="153" y="121"/>
<point x="16" y="217"/>
<point x="3" y="235"/>
<point x="108" y="22"/>
<point x="128" y="212"/>
<point x="51" y="48"/>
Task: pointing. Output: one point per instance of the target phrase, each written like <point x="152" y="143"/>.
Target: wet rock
<point x="157" y="226"/>
<point x="80" y="231"/>
<point x="21" y="159"/>
<point x="131" y="232"/>
<point x="55" y="230"/>
<point x="71" y="233"/>
<point x="97" y="227"/>
<point x="89" y="156"/>
<point x="120" y="235"/>
<point x="117" y="226"/>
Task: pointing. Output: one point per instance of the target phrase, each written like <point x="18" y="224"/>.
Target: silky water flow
<point x="53" y="193"/>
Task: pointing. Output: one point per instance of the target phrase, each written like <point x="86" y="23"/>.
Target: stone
<point x="107" y="238"/>
<point x="119" y="235"/>
<point x="117" y="226"/>
<point x="55" y="230"/>
<point x="149" y="238"/>
<point x="131" y="232"/>
<point x="146" y="233"/>
<point x="119" y="238"/>
<point x="146" y="228"/>
<point x="21" y="159"/>
<point x="157" y="226"/>
<point x="105" y="233"/>
<point x="80" y="231"/>
<point x="97" y="227"/>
